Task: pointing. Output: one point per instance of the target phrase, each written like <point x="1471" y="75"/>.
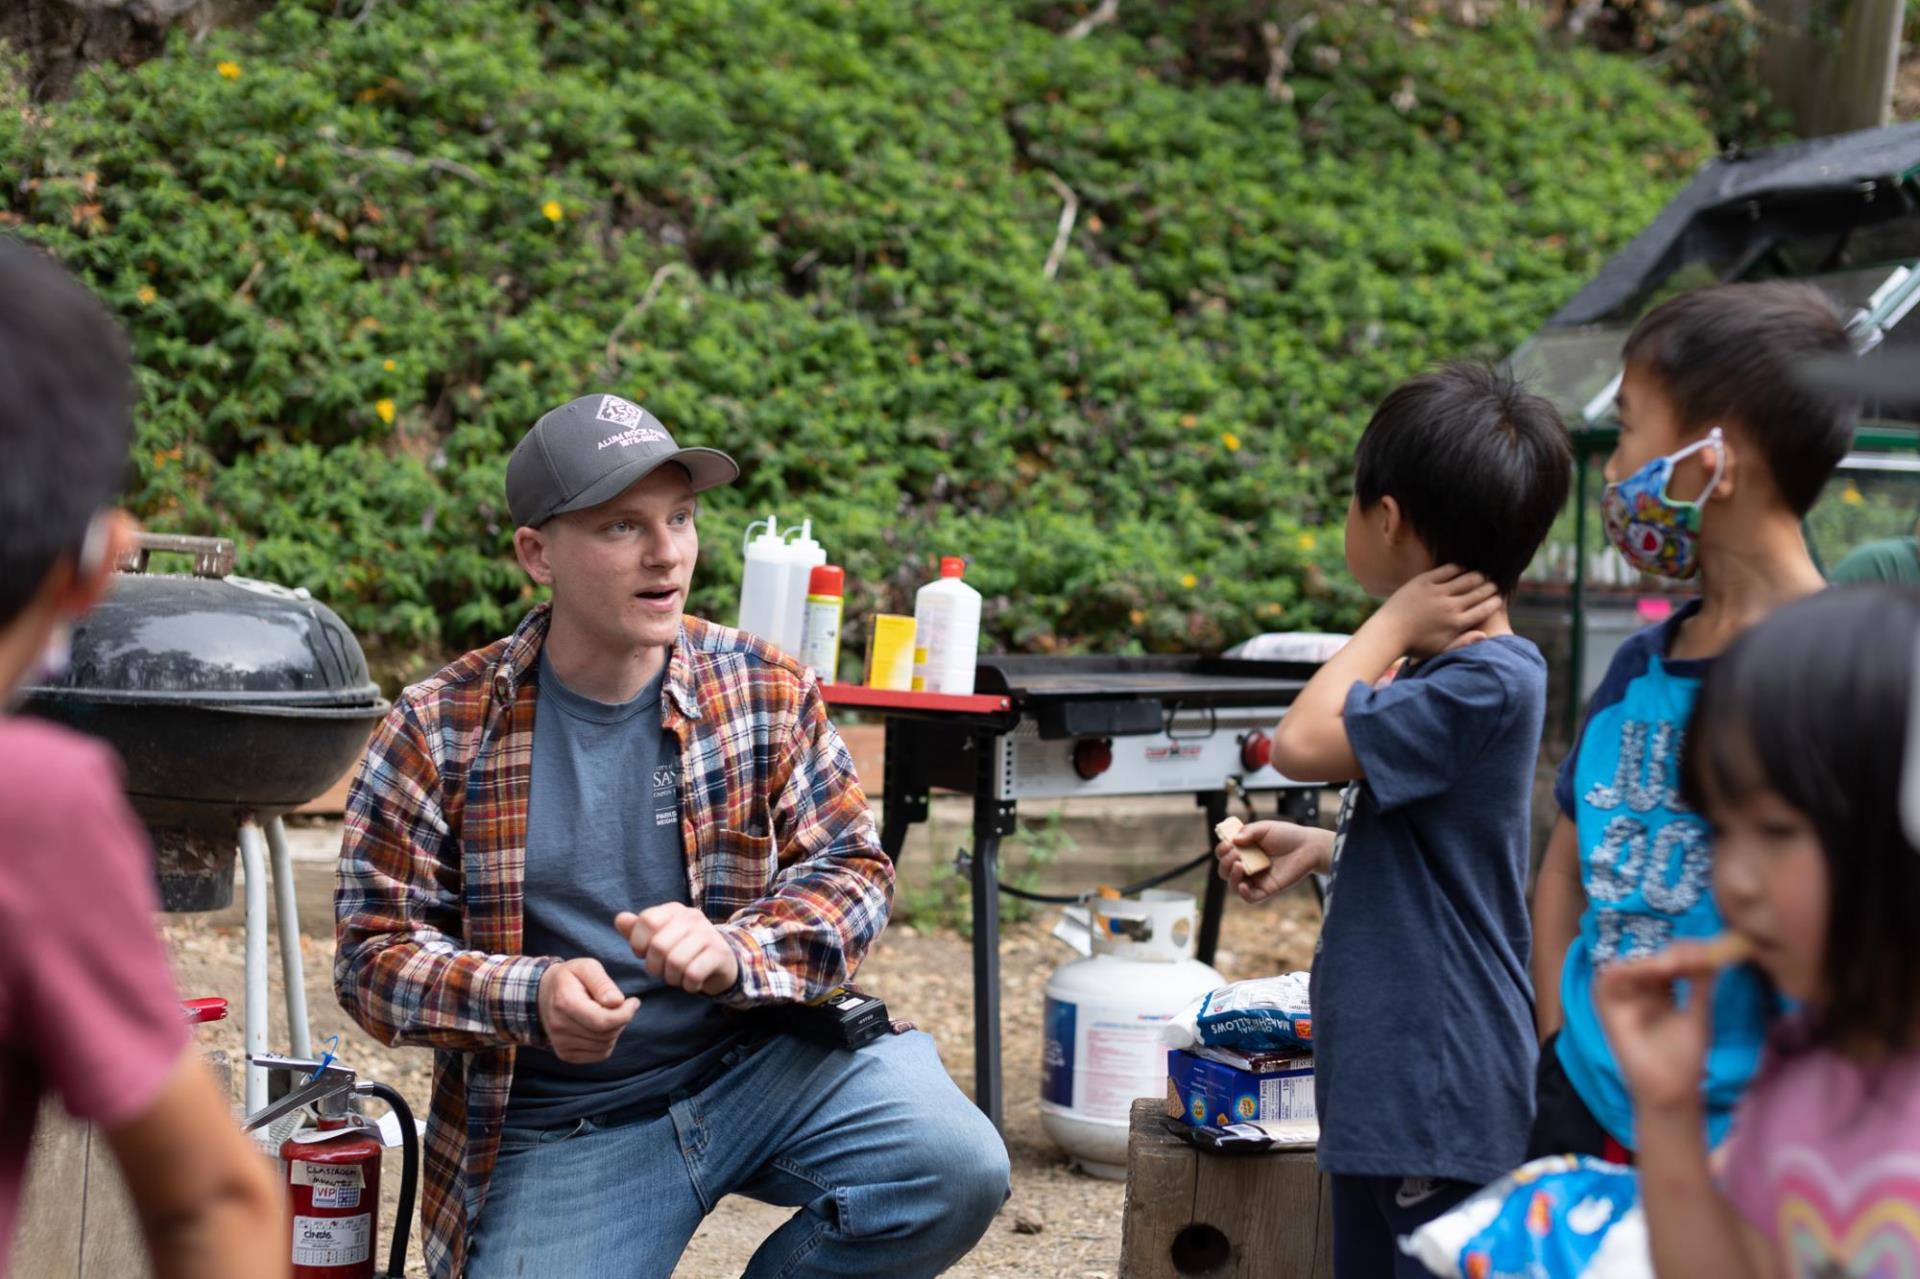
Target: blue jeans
<point x="894" y="1172"/>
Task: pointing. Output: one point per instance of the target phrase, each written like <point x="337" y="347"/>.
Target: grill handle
<point x="212" y="556"/>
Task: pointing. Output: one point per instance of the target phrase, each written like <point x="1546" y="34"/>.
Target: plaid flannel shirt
<point x="782" y="855"/>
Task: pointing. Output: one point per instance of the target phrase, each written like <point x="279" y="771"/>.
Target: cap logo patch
<point x="628" y="414"/>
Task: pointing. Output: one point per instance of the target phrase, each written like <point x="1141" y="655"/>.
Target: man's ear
<point x="530" y="547"/>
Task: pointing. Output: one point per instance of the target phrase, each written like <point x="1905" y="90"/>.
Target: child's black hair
<point x="1478" y="465"/>
<point x="1811" y="704"/>
<point x="66" y="398"/>
<point x="1728" y="353"/>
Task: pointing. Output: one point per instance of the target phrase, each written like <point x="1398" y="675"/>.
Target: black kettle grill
<point x="226" y="698"/>
<point x="230" y="702"/>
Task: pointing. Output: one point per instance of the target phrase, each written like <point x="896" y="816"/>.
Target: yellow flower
<point x="552" y="211"/>
<point x="1851" y="496"/>
<point x="1231" y="440"/>
<point x="388" y="365"/>
<point x="1189" y="581"/>
<point x="385" y="409"/>
<point x="146" y="295"/>
<point x="1189" y="420"/>
<point x="1305" y="541"/>
<point x="1137" y="616"/>
<point x="229" y="70"/>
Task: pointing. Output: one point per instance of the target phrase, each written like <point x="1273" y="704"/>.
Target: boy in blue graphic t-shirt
<point x="1423" y="1021"/>
<point x="1721" y="454"/>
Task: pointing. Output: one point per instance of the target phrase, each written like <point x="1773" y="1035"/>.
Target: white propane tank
<point x="763" y="581"/>
<point x="1103" y="1021"/>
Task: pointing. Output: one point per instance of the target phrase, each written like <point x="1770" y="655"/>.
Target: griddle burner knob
<point x="1092" y="756"/>
<point x="1256" y="751"/>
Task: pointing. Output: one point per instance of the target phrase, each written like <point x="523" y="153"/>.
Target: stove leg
<point x="287" y="920"/>
<point x="253" y="864"/>
<point x="1215" y="903"/>
<point x="987" y="1083"/>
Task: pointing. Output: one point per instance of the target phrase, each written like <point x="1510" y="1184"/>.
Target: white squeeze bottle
<point x="803" y="556"/>
<point x="763" y="582"/>
<point x="946" y="631"/>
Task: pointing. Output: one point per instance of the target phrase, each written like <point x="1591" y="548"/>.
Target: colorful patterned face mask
<point x="1657" y="533"/>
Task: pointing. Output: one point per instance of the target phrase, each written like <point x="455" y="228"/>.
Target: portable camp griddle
<point x="1059" y="727"/>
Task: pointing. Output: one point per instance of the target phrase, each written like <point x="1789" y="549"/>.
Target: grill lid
<point x="211" y="639"/>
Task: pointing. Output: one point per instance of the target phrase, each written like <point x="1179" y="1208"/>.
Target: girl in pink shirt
<point x="1794" y="753"/>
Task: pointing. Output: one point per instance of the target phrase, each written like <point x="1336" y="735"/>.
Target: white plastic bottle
<point x="803" y="556"/>
<point x="946" y="631"/>
<point x="763" y="581"/>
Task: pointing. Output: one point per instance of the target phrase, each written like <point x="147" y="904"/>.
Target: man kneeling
<point x="579" y="911"/>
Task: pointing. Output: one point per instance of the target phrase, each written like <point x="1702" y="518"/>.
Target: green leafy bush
<point x="358" y="259"/>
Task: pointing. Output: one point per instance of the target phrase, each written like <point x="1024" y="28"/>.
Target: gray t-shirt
<point x="1422" y="1004"/>
<point x="603" y="836"/>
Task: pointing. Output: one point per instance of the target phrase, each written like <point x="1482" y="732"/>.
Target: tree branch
<point x="1280" y="46"/>
<point x="399" y="155"/>
<point x="640" y="309"/>
<point x="1069" y="210"/>
<point x="1100" y="17"/>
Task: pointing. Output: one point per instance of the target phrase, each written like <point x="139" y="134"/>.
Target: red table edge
<point x="860" y="697"/>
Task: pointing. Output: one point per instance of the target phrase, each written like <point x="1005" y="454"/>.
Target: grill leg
<point x="1215" y="904"/>
<point x="287" y="920"/>
<point x="253" y="864"/>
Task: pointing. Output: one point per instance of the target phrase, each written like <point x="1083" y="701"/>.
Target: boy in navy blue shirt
<point x="1423" y="1015"/>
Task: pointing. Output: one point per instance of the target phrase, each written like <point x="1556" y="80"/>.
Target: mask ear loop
<point x="1715" y="441"/>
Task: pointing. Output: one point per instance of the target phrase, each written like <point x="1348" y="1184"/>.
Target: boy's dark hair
<point x="1479" y="466"/>
<point x="66" y="397"/>
<point x="1812" y="705"/>
<point x="1730" y="353"/>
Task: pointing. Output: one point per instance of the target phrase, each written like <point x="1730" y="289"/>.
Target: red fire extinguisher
<point x="332" y="1170"/>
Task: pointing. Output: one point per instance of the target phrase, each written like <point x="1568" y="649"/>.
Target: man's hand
<point x="583" y="1011"/>
<point x="1296" y="852"/>
<point x="682" y="947"/>
<point x="1438" y="610"/>
<point x="1661" y="1045"/>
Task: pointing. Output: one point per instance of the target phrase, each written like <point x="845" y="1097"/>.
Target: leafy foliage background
<point x="358" y="258"/>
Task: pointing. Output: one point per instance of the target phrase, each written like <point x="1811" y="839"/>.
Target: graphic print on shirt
<point x="666" y="793"/>
<point x="1650" y="861"/>
<point x="1859" y="1225"/>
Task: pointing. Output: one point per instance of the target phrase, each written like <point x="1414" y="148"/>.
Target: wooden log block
<point x="1191" y="1215"/>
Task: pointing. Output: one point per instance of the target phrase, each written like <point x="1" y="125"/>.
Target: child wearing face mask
<point x="1794" y="755"/>
<point x="1720" y="455"/>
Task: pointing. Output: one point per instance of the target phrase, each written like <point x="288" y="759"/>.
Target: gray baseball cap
<point x="593" y="449"/>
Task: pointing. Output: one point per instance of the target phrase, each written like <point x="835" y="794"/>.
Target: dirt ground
<point x="1059" y="1223"/>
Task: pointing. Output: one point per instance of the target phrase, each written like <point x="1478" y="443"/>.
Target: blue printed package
<point x="1210" y="1091"/>
<point x="1562" y="1217"/>
<point x="1264" y="1015"/>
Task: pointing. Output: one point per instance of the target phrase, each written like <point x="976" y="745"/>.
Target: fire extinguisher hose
<point x="409" y="1173"/>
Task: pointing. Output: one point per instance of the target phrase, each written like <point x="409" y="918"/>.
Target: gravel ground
<point x="1059" y="1223"/>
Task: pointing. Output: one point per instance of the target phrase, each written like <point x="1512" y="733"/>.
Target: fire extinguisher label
<point x="332" y="1241"/>
<point x="334" y="1185"/>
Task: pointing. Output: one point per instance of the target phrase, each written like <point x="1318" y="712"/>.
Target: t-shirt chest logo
<point x="1668" y="869"/>
<point x="666" y="794"/>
